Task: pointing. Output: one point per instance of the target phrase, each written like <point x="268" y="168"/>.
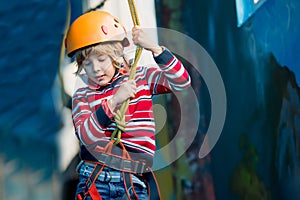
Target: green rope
<point x="120" y="114"/>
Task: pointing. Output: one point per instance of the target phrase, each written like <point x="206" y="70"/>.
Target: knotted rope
<point x="120" y="114"/>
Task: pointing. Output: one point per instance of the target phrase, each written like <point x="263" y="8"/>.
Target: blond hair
<point x="113" y="49"/>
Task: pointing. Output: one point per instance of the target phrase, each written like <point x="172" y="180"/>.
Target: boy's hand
<point x="126" y="91"/>
<point x="142" y="38"/>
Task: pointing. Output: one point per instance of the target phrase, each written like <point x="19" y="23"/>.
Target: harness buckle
<point x="126" y="165"/>
<point x="107" y="177"/>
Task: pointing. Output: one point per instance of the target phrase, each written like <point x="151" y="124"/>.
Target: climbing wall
<point x="257" y="154"/>
<point x="31" y="36"/>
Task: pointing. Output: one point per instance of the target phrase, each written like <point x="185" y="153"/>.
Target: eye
<point x="86" y="62"/>
<point x="101" y="58"/>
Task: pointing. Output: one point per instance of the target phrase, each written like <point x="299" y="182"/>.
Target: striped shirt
<point x="94" y="121"/>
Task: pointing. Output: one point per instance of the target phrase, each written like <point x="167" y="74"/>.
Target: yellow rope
<point x="120" y="114"/>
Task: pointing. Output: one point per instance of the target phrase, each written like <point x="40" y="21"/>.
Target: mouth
<point x="100" y="77"/>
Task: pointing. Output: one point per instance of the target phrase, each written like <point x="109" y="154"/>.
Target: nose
<point x="95" y="67"/>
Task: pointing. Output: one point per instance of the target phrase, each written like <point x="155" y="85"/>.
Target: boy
<point x="97" y="39"/>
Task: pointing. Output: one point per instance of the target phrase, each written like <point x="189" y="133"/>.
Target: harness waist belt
<point x="119" y="163"/>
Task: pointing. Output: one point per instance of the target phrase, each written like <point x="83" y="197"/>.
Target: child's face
<point x="99" y="68"/>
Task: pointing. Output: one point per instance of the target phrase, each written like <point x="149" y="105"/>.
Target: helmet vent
<point x="116" y="20"/>
<point x="116" y="25"/>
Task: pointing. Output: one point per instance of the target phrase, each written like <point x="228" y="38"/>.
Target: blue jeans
<point x="110" y="183"/>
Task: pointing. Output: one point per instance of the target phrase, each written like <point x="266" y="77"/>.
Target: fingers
<point x="142" y="38"/>
<point x="132" y="84"/>
<point x="136" y="30"/>
<point x="131" y="88"/>
<point x="127" y="90"/>
<point x="136" y="34"/>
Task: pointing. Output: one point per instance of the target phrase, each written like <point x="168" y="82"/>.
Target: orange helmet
<point x="92" y="28"/>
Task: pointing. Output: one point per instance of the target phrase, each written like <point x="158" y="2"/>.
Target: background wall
<point x="257" y="156"/>
<point x="31" y="38"/>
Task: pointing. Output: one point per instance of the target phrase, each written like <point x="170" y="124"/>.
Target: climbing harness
<point x="126" y="166"/>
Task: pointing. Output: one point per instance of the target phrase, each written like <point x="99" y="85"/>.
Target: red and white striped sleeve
<point x="172" y="76"/>
<point x="89" y="125"/>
